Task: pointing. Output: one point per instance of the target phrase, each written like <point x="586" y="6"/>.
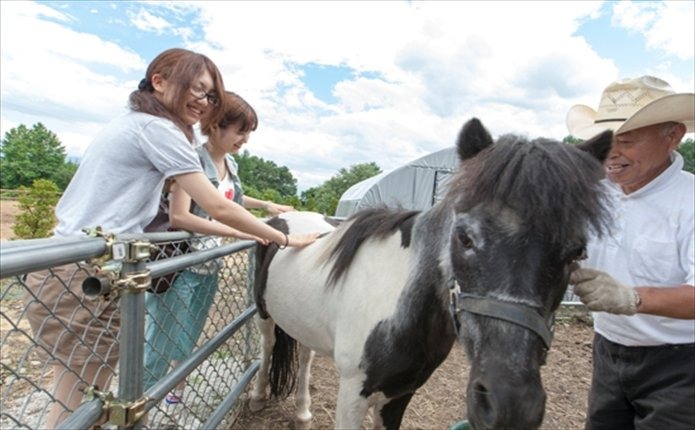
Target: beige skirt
<point x="69" y="326"/>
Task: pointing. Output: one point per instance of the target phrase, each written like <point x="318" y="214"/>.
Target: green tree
<point x="687" y="150"/>
<point x="572" y="140"/>
<point x="30" y="154"/>
<point x="265" y="178"/>
<point x="64" y="174"/>
<point x="324" y="198"/>
<point x="36" y="218"/>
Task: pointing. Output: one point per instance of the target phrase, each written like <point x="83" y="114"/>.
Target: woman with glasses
<point x="117" y="187"/>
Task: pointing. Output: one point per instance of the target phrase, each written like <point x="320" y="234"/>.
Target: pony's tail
<point x="283" y="364"/>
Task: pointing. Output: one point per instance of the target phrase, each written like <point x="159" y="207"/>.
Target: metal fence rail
<point x="216" y="373"/>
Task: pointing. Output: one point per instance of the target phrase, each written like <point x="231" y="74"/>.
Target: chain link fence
<point x="61" y="300"/>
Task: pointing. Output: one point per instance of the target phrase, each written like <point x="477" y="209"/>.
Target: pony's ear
<point x="599" y="146"/>
<point x="473" y="138"/>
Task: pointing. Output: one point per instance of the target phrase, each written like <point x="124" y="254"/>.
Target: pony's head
<point x="520" y="214"/>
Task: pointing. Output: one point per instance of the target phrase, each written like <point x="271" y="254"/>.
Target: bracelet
<point x="287" y="242"/>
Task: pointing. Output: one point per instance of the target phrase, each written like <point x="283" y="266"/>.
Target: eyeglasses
<point x="200" y="94"/>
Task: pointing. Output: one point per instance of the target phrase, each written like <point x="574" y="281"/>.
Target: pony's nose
<point x="484" y="406"/>
<point x="504" y="408"/>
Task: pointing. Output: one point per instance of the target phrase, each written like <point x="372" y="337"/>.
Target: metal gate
<point x="216" y="373"/>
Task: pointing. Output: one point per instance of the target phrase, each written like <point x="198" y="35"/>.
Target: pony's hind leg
<point x="302" y="397"/>
<point x="259" y="394"/>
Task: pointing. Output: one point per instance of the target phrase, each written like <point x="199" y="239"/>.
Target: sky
<point x="337" y="83"/>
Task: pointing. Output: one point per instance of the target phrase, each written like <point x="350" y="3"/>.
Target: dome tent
<point x="417" y="185"/>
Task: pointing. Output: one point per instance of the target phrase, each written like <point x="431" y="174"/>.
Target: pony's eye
<point x="465" y="240"/>
<point x="582" y="255"/>
<point x="577" y="255"/>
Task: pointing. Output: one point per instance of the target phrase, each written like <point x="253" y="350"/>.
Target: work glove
<point x="601" y="293"/>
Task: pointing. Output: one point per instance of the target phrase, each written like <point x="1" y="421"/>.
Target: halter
<point x="515" y="313"/>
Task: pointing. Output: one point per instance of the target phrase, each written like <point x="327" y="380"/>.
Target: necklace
<point x="221" y="169"/>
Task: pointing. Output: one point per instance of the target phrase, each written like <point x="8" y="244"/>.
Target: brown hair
<point x="180" y="67"/>
<point x="235" y="110"/>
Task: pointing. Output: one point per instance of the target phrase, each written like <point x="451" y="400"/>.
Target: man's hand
<point x="601" y="293"/>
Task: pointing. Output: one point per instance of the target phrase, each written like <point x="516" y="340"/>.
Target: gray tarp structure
<point x="418" y="185"/>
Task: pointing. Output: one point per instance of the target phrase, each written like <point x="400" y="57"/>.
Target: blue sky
<point x="340" y="83"/>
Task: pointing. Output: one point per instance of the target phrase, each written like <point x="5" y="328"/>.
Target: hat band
<point x="598" y="121"/>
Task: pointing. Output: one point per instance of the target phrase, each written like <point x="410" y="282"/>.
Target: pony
<point x="387" y="292"/>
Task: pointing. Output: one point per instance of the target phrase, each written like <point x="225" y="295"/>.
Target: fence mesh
<point x="29" y="366"/>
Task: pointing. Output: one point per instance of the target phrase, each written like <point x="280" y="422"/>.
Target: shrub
<point x="36" y="218"/>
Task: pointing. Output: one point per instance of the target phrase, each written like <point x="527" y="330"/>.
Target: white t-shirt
<point x="120" y="178"/>
<point x="651" y="243"/>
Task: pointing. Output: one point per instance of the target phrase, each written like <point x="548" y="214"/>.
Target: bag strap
<point x="233" y="170"/>
<point x="160" y="222"/>
<point x="208" y="165"/>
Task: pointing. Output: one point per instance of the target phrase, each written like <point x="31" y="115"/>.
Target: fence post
<point x="134" y="280"/>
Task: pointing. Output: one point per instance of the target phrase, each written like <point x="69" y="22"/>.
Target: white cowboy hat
<point x="629" y="104"/>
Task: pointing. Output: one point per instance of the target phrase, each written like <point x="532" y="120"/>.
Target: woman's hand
<point x="300" y="240"/>
<point x="275" y="209"/>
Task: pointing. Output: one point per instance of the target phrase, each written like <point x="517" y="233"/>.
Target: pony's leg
<point x="302" y="397"/>
<point x="377" y="422"/>
<point x="259" y="394"/>
<point x="389" y="413"/>
<point x="352" y="407"/>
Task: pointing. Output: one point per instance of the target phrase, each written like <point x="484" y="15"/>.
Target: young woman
<point x="176" y="317"/>
<point x="117" y="186"/>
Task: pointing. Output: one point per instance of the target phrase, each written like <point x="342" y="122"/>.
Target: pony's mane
<point x="553" y="187"/>
<point x="376" y="223"/>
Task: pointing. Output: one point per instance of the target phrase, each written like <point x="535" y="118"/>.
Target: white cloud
<point x="438" y="65"/>
<point x="422" y="69"/>
<point x="69" y="81"/>
<point x="666" y="26"/>
<point x="145" y="21"/>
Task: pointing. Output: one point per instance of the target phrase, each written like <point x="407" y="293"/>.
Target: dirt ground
<point x="8" y="212"/>
<point x="441" y="401"/>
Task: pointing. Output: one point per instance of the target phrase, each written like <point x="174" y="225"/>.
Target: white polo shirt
<point x="651" y="243"/>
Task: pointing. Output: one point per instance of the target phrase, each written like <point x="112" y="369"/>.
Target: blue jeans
<point x="175" y="320"/>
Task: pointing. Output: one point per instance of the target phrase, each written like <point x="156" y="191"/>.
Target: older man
<point x="639" y="279"/>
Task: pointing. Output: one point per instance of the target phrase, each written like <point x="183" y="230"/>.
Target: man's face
<point x="639" y="156"/>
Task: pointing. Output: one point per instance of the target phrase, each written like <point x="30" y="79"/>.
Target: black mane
<point x="376" y="223"/>
<point x="553" y="187"/>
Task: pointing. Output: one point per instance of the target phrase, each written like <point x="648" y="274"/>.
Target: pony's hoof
<point x="256" y="405"/>
<point x="303" y="423"/>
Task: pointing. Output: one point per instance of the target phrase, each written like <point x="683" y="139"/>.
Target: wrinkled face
<point x="494" y="257"/>
<point x="639" y="156"/>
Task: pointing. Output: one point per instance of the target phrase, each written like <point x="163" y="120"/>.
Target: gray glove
<point x="601" y="293"/>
